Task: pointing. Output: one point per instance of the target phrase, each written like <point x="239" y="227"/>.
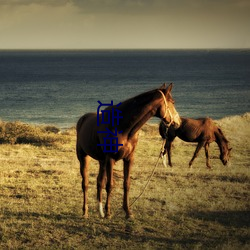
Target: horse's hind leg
<point x="163" y="152"/>
<point x="109" y="162"/>
<point x="207" y="155"/>
<point x="84" y="169"/>
<point x="197" y="150"/>
<point x="100" y="185"/>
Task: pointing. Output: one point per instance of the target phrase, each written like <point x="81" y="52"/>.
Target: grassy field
<point x="182" y="208"/>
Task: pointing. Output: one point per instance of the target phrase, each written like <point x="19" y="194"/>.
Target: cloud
<point x="124" y="23"/>
<point x="139" y="7"/>
<point x="16" y="3"/>
<point x="42" y="26"/>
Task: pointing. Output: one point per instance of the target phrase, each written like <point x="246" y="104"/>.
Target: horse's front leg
<point x="207" y="155"/>
<point x="110" y="183"/>
<point x="126" y="185"/>
<point x="101" y="178"/>
<point x="197" y="150"/>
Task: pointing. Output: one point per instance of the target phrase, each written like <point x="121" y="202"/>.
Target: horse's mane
<point x="219" y="135"/>
<point x="137" y="100"/>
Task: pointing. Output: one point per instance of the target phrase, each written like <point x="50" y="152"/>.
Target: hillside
<point x="41" y="198"/>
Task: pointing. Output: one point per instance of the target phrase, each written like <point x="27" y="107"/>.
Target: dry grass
<point x="41" y="198"/>
<point x="21" y="133"/>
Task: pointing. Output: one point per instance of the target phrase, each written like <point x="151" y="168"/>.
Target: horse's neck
<point x="138" y="123"/>
<point x="135" y="116"/>
<point x="221" y="141"/>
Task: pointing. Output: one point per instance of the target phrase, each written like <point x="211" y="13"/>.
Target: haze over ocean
<point x="57" y="87"/>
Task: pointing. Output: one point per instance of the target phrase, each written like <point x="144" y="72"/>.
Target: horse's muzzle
<point x="176" y="125"/>
<point x="225" y="163"/>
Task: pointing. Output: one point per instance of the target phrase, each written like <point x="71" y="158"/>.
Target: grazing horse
<point x="203" y="131"/>
<point x="135" y="112"/>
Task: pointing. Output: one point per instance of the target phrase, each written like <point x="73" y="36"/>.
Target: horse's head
<point x="225" y="155"/>
<point x="223" y="144"/>
<point x="167" y="111"/>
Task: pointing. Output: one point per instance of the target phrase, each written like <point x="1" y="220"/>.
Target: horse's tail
<point x="163" y="130"/>
<point x="81" y="120"/>
<point x="79" y="124"/>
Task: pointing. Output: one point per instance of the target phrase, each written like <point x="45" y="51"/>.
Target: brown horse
<point x="135" y="112"/>
<point x="203" y="131"/>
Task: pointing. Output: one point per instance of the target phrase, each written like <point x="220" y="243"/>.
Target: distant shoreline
<point x="126" y="50"/>
<point x="152" y="121"/>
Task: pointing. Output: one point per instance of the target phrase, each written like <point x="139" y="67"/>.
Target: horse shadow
<point x="93" y="229"/>
<point x="237" y="219"/>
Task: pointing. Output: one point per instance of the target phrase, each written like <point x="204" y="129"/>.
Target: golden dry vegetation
<point x="182" y="208"/>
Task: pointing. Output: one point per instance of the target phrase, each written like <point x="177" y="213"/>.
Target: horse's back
<point x="209" y="125"/>
<point x="205" y="122"/>
<point x="195" y="130"/>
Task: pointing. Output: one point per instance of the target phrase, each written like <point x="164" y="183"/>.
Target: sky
<point x="124" y="24"/>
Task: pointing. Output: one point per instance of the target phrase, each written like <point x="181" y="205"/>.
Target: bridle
<point x="167" y="110"/>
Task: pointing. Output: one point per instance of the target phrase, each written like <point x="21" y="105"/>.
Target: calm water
<point x="57" y="87"/>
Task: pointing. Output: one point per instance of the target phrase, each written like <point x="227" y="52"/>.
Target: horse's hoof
<point x="85" y="216"/>
<point x="129" y="216"/>
<point x="107" y="216"/>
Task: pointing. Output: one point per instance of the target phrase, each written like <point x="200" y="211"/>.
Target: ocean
<point x="57" y="87"/>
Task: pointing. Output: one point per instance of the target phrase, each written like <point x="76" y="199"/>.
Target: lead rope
<point x="151" y="175"/>
<point x="149" y="179"/>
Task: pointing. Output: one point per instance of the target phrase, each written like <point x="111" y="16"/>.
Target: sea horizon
<point x="59" y="86"/>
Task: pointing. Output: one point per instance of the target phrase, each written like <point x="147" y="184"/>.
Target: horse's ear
<point x="163" y="86"/>
<point x="169" y="88"/>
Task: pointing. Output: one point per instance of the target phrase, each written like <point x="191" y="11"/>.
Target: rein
<point x="167" y="109"/>
<point x="149" y="178"/>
